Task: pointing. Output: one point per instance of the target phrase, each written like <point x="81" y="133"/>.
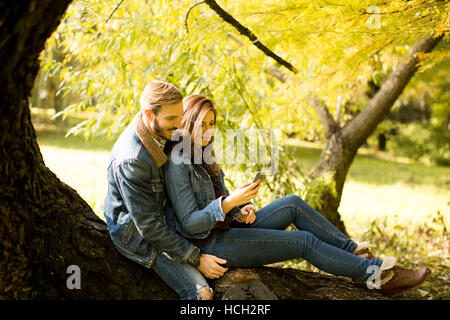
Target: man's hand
<point x="247" y="214"/>
<point x="210" y="267"/>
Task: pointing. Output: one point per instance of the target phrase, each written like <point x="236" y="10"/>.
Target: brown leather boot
<point x="400" y="279"/>
<point x="388" y="263"/>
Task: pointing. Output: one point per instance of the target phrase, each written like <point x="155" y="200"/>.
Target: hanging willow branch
<point x="246" y="32"/>
<point x="115" y="9"/>
<point x="187" y="14"/>
<point x="320" y="107"/>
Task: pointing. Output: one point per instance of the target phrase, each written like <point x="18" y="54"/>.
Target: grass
<point x="83" y="170"/>
<point x="377" y="187"/>
<point x="399" y="206"/>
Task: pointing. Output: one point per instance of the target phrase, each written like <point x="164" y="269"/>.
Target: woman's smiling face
<point x="208" y="125"/>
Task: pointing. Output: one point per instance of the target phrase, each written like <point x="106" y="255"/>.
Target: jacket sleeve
<point x="236" y="211"/>
<point x="141" y="199"/>
<point x="194" y="220"/>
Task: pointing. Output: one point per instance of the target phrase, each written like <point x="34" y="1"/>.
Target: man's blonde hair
<point x="158" y="93"/>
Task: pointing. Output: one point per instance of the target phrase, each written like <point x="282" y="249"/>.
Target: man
<point x="136" y="207"/>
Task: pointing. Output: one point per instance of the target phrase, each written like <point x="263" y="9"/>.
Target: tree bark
<point x="336" y="158"/>
<point x="45" y="226"/>
<point x="268" y="283"/>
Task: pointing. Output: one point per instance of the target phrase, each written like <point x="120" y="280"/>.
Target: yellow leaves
<point x="7" y="288"/>
<point x="428" y="60"/>
<point x="101" y="27"/>
<point x="329" y="42"/>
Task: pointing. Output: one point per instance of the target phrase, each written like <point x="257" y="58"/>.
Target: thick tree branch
<point x="329" y="124"/>
<point x="364" y="123"/>
<point x="246" y="32"/>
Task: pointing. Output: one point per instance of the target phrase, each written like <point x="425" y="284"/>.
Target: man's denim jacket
<point x="135" y="207"/>
<point x="191" y="192"/>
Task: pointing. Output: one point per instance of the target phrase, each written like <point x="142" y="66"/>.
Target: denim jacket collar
<point x="148" y="140"/>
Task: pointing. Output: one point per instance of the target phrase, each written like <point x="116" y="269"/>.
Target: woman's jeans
<point x="266" y="242"/>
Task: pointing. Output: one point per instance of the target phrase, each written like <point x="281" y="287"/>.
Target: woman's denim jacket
<point x="135" y="208"/>
<point x="191" y="192"/>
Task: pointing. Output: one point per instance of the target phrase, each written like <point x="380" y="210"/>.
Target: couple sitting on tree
<point x="170" y="211"/>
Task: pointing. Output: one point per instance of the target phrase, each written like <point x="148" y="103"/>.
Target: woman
<point x="226" y="224"/>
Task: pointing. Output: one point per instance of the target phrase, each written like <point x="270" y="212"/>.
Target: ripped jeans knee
<point x="204" y="292"/>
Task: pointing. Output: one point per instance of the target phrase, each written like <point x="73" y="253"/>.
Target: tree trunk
<point x="336" y="158"/>
<point x="267" y="283"/>
<point x="343" y="143"/>
<point x="45" y="226"/>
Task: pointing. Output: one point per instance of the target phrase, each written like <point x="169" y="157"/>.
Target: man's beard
<point x="163" y="133"/>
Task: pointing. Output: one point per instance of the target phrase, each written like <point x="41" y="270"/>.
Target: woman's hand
<point x="247" y="214"/>
<point x="244" y="193"/>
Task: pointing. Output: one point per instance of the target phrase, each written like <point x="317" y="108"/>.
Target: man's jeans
<point x="184" y="279"/>
<point x="266" y="241"/>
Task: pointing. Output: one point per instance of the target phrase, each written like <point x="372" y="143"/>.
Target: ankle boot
<point x="397" y="280"/>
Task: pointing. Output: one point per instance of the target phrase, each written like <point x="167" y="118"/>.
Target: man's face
<point x="167" y="120"/>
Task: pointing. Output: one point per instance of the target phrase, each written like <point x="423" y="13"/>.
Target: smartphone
<point x="259" y="175"/>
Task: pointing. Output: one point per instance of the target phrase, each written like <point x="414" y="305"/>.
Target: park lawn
<point x="391" y="204"/>
<point x="378" y="188"/>
<point x="83" y="170"/>
<point x="375" y="188"/>
<point x="378" y="185"/>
